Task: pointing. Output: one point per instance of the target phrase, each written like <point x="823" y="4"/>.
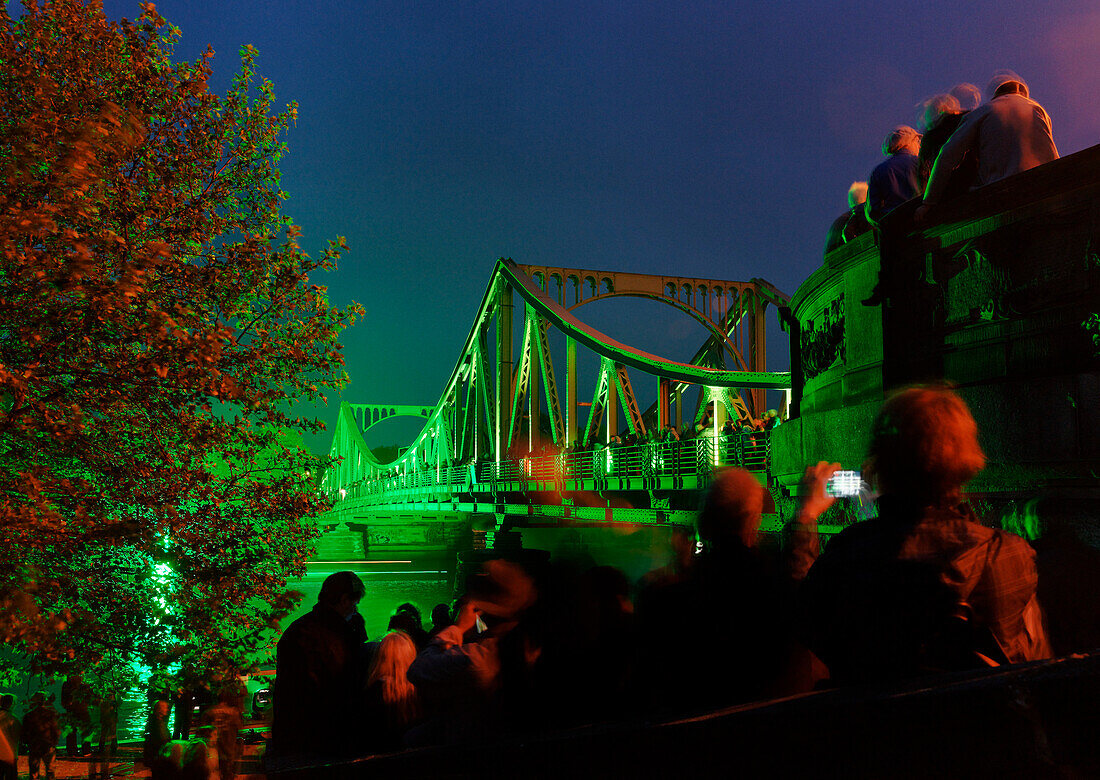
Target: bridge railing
<point x="649" y="464"/>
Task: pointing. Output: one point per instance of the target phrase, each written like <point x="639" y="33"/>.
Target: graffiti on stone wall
<point x="822" y="340"/>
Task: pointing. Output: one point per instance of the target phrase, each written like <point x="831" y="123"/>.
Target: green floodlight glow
<point x="715" y="444"/>
<point x="163" y="577"/>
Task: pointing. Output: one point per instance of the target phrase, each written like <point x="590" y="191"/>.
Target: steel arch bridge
<point x="481" y="452"/>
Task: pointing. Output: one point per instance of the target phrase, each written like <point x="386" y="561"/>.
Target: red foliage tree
<point x="157" y="321"/>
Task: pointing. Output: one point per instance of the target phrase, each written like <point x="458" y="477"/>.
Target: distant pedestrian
<point x="41" y="729"/>
<point x="157" y="734"/>
<point x="10" y="730"/>
<point x="108" y="736"/>
<point x="76" y="698"/>
<point x="225" y="718"/>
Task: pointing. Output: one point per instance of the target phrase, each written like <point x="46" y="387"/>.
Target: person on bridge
<point x="320" y="670"/>
<point x="924" y="586"/>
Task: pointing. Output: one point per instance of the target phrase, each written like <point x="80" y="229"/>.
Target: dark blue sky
<point x="714" y="139"/>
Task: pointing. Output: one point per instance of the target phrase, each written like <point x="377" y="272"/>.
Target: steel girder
<point x="481" y="406"/>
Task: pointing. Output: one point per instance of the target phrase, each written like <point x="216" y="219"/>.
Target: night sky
<point x="714" y="139"/>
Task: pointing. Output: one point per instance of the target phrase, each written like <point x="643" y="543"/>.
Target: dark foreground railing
<point x="1036" y="721"/>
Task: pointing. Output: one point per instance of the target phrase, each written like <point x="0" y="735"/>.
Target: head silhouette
<point x="924" y="445"/>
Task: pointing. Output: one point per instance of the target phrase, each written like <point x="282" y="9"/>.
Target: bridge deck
<point x="650" y="483"/>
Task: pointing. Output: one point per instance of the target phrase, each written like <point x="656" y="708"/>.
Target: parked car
<point x="259" y="698"/>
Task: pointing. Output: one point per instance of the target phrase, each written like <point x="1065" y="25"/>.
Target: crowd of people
<point x="210" y="752"/>
<point x="38" y="732"/>
<point x="959" y="144"/>
<point x="924" y="587"/>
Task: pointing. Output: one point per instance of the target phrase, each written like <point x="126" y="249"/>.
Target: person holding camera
<point x="923" y="587"/>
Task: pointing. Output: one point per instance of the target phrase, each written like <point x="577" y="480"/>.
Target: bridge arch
<point x="686" y="308"/>
<point x="367" y="416"/>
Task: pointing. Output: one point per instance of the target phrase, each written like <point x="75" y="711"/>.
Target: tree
<point x="157" y="321"/>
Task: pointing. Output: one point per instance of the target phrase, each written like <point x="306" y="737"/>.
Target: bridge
<point x="506" y="445"/>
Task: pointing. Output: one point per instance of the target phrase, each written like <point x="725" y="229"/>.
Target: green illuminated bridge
<point x="507" y="444"/>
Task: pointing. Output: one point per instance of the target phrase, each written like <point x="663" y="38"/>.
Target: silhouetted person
<point x="319" y="674"/>
<point x="76" y="698"/>
<point x="441" y="618"/>
<point x="11" y="729"/>
<point x="1009" y="134"/>
<point x="186" y="700"/>
<point x="940" y="117"/>
<point x="108" y="736"/>
<point x="729" y="620"/>
<point x="681" y="542"/>
<point x="407" y="618"/>
<point x="157" y="733"/>
<point x="607" y="639"/>
<point x="41" y="731"/>
<point x="924" y="586"/>
<point x="1069" y="574"/>
<point x="225" y="719"/>
<point x="853" y="222"/>
<point x="897" y="178"/>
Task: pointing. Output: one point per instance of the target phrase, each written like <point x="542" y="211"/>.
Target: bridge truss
<point x="481" y="450"/>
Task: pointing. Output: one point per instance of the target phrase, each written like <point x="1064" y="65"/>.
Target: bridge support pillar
<point x="503" y="411"/>
<point x="758" y="354"/>
<point x="534" y="405"/>
<point x="570" y="391"/>
<point x="612" y="409"/>
<point x="663" y="391"/>
<point x="719" y="421"/>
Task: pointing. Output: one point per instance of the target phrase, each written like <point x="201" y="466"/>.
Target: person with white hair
<point x="897" y="178"/>
<point x="1009" y="134"/>
<point x="851" y="223"/>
